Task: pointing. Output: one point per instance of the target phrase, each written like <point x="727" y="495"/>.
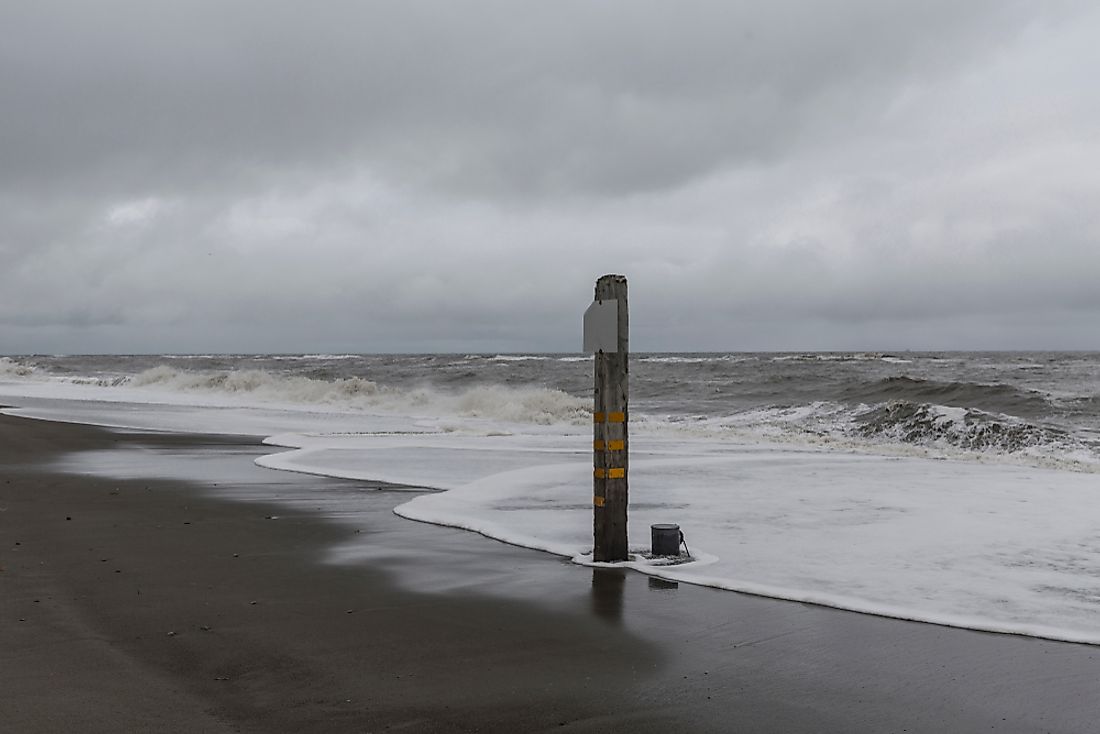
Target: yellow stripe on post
<point x="616" y="417"/>
<point x="600" y="473"/>
<point x="598" y="445"/>
<point x="616" y="445"/>
<point x="597" y="417"/>
<point x="616" y="473"/>
<point x="597" y="501"/>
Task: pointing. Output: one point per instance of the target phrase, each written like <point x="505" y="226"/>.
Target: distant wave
<point x="701" y="359"/>
<point x="310" y="357"/>
<point x="194" y="356"/>
<point x="840" y="357"/>
<point x="526" y="358"/>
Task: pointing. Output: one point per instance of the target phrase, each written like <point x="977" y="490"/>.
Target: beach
<point x="153" y="604"/>
<point x="355" y="359"/>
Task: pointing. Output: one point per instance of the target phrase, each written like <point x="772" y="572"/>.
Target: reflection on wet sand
<point x="662" y="585"/>
<point x="607" y="593"/>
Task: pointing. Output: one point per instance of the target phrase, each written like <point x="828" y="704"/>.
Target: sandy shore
<point x="148" y="604"/>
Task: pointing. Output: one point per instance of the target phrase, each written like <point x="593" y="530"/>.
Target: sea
<point x="1037" y="406"/>
<point x="954" y="488"/>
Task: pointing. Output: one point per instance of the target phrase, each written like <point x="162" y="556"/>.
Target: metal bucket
<point x="666" y="539"/>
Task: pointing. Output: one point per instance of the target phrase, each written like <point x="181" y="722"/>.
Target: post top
<point x="610" y="287"/>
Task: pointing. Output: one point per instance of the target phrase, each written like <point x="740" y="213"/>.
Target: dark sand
<point x="154" y="605"/>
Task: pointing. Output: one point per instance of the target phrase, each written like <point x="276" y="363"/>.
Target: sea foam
<point x="996" y="548"/>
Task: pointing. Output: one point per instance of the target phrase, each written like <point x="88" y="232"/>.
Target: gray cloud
<point x="484" y="96"/>
<point x="241" y="176"/>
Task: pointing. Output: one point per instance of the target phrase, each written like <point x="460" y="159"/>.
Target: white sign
<point x="601" y="327"/>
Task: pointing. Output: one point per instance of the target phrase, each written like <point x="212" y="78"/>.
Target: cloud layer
<point x="438" y="176"/>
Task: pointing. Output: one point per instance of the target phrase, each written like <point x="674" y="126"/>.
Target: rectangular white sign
<point x="601" y="327"/>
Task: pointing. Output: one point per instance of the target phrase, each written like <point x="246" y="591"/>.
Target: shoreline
<point x="348" y="647"/>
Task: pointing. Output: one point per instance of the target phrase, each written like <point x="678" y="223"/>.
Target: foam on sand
<point x="996" y="548"/>
<point x="445" y="461"/>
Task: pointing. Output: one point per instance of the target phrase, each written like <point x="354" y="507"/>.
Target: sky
<point x="413" y="176"/>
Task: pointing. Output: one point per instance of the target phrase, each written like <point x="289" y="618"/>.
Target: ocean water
<point x="1043" y="405"/>
<point x="955" y="488"/>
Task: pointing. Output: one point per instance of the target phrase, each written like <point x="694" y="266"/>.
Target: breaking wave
<point x="998" y="398"/>
<point x="964" y="428"/>
<point x="515" y="404"/>
<point x="899" y="423"/>
<point x="11" y="368"/>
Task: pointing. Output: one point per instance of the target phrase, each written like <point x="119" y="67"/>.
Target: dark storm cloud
<point x="478" y="96"/>
<point x="389" y="176"/>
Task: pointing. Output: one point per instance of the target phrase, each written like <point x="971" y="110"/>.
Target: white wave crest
<point x="263" y="384"/>
<point x="12" y="368"/>
<point x="535" y="405"/>
<point x="839" y="357"/>
<point x="904" y="429"/>
<point x="519" y="358"/>
<point x="312" y="357"/>
<point x="194" y="356"/>
<point x="523" y="405"/>
<point x="673" y="359"/>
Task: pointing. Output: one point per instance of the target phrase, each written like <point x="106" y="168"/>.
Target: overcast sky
<point x="453" y="176"/>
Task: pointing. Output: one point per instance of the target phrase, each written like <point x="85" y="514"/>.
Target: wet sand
<point x="156" y="604"/>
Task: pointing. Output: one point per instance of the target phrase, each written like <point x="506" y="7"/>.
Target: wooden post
<point x="610" y="415"/>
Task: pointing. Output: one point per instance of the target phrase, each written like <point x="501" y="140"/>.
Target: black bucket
<point x="666" y="539"/>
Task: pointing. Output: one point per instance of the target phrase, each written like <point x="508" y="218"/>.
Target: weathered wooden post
<point x="606" y="333"/>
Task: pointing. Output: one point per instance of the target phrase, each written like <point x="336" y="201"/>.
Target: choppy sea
<point x="1042" y="405"/>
